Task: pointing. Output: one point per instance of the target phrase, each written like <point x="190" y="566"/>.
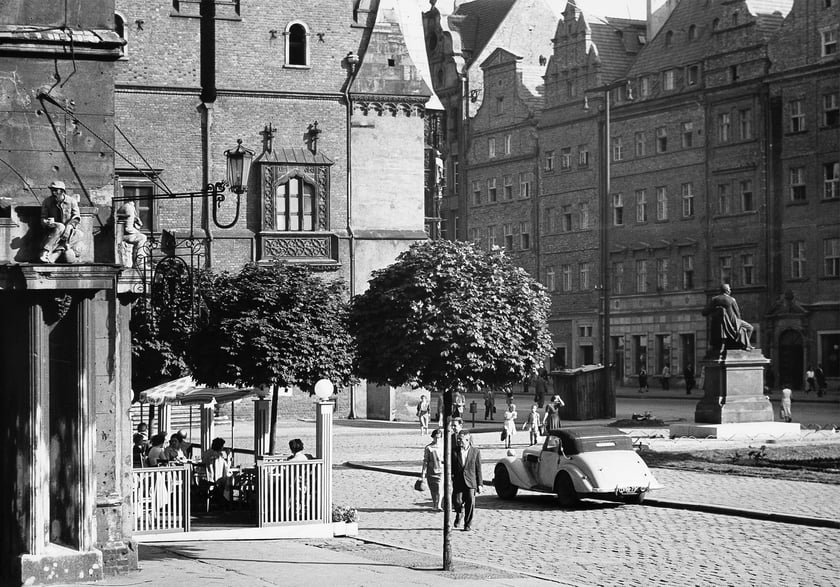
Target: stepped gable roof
<point x="529" y="78"/>
<point x="765" y="15"/>
<point x="477" y="21"/>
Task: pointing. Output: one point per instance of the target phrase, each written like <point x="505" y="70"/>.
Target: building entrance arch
<point x="791" y="359"/>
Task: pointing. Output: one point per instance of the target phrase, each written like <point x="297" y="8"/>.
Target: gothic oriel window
<point x="295" y="204"/>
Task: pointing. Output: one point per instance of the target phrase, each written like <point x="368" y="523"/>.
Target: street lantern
<point x="238" y="167"/>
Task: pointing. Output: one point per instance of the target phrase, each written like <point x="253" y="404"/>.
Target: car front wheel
<point x="565" y="490"/>
<point x="501" y="482"/>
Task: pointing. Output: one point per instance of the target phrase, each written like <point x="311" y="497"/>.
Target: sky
<point x="619" y="8"/>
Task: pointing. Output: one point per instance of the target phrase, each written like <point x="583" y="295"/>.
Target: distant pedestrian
<point x="541" y="387"/>
<point x="466" y="479"/>
<point x="509" y="429"/>
<point x="688" y="374"/>
<point x="822" y="384"/>
<point x="423" y="411"/>
<point x="489" y="404"/>
<point x="810" y="379"/>
<point x="666" y="377"/>
<point x="458" y="404"/>
<point x="508" y="395"/>
<point x="643" y="382"/>
<point x="785" y="413"/>
<point x="439" y="410"/>
<point x="432" y="468"/>
<point x="532" y="423"/>
<point x="551" y="419"/>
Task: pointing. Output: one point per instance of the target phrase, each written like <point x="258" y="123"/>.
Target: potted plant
<point x="345" y="521"/>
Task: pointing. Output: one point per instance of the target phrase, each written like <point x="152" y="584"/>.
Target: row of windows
<point x="567" y="218"/>
<point x="506" y="146"/>
<point x="508" y="189"/>
<point x="660" y="201"/>
<point x="830" y="182"/>
<point x="503" y="236"/>
<point x="830" y="262"/>
<point x="550" y="160"/>
<point x="797" y="120"/>
<point x="737" y="269"/>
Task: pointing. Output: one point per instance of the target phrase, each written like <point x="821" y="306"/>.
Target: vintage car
<point x="573" y="463"/>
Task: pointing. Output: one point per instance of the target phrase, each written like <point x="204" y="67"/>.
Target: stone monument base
<point x="734" y="390"/>
<point x="60" y="565"/>
<point x="757" y="431"/>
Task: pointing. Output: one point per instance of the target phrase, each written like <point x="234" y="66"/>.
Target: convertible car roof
<point x="587" y="432"/>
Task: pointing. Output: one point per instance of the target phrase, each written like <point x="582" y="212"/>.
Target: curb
<point x="668" y="504"/>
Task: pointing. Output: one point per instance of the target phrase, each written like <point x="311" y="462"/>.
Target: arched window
<point x="692" y="33"/>
<point x="715" y="24"/>
<point x="669" y="36"/>
<point x="119" y="28"/>
<point x="295" y="204"/>
<point x="297" y="44"/>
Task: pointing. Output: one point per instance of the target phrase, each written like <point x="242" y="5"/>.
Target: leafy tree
<point x="160" y="327"/>
<point x="279" y="325"/>
<point x="449" y="316"/>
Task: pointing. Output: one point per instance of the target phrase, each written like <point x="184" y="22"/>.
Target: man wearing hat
<point x="60" y="218"/>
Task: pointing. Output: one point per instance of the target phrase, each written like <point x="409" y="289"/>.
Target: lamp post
<point x="604" y="213"/>
<point x="236" y="179"/>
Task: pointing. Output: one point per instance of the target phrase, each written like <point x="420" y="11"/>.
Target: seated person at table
<point x="138" y="451"/>
<point x="296" y="446"/>
<point x="186" y="445"/>
<point x="173" y="452"/>
<point x="218" y="469"/>
<point x="157" y="456"/>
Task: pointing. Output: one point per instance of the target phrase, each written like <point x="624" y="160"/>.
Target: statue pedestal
<point x="734" y="390"/>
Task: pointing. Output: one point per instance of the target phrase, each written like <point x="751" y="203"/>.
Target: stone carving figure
<point x="728" y="330"/>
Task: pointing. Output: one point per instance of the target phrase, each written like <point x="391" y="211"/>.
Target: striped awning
<point x="185" y="390"/>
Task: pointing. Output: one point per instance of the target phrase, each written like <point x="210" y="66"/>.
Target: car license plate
<point x="627" y="490"/>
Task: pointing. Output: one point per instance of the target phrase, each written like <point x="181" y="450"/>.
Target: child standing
<point x="510" y="424"/>
<point x="532" y="423"/>
<point x="423" y="411"/>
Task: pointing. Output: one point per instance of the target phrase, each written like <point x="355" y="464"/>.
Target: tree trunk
<point x="272" y="434"/>
<point x="447" y="480"/>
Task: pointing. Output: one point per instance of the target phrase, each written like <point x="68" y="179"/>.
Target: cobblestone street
<point x="599" y="543"/>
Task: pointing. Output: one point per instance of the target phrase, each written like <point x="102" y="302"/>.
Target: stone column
<point x="323" y="435"/>
<point x="38" y="442"/>
<point x="262" y="427"/>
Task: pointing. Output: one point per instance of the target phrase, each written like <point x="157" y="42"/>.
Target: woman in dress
<point x="423" y="411"/>
<point x="551" y="420"/>
<point x="432" y="468"/>
<point x="510" y="424"/>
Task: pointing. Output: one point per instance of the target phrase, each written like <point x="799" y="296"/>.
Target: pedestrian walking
<point x="466" y="479"/>
<point x="489" y="404"/>
<point x="666" y="377"/>
<point x="439" y="410"/>
<point x="785" y="412"/>
<point x="810" y="380"/>
<point x="541" y="387"/>
<point x="643" y="382"/>
<point x="508" y="395"/>
<point x="509" y="426"/>
<point x="822" y="384"/>
<point x="432" y="469"/>
<point x="424" y="410"/>
<point x="551" y="419"/>
<point x="532" y="423"/>
<point x="688" y="374"/>
<point x="458" y="404"/>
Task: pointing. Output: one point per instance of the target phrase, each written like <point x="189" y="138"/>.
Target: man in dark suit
<point x="466" y="478"/>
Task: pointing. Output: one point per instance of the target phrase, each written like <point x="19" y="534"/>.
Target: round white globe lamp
<point x="324" y="389"/>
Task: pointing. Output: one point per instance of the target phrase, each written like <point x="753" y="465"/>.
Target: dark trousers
<point x="463" y="499"/>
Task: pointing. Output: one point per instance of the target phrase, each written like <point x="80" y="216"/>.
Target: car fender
<point x="516" y="470"/>
<point x="579" y="478"/>
<point x="604" y="471"/>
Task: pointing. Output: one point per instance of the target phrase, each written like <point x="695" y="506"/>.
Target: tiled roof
<point x="617" y="43"/>
<point x="481" y="18"/>
<point x="299" y="156"/>
<point x="657" y="55"/>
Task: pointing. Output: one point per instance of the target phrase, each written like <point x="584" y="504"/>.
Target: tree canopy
<point x="450" y="316"/>
<point x="280" y="324"/>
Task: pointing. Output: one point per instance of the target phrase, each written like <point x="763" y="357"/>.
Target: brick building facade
<point x="722" y="167"/>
